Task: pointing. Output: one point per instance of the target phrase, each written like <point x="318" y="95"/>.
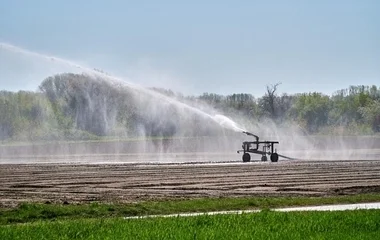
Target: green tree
<point x="371" y="114"/>
<point x="311" y="110"/>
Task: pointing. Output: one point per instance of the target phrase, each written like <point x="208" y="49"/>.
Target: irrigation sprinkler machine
<point x="266" y="150"/>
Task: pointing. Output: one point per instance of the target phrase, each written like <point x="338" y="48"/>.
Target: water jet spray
<point x="222" y="120"/>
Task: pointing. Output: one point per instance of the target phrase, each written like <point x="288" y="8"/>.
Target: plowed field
<point x="130" y="182"/>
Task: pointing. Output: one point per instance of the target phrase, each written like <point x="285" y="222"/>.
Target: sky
<point x="194" y="47"/>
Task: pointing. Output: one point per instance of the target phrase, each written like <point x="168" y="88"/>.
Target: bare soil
<point x="131" y="182"/>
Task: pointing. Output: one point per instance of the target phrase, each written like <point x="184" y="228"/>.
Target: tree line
<point x="78" y="106"/>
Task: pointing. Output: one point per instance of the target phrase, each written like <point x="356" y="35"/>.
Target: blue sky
<point x="197" y="46"/>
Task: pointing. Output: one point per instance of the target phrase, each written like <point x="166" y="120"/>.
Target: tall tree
<point x="268" y="102"/>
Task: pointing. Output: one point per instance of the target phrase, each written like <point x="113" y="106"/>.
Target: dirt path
<point x="134" y="182"/>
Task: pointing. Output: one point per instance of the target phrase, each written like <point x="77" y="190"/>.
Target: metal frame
<point x="253" y="147"/>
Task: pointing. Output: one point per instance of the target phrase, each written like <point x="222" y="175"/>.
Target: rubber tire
<point x="264" y="158"/>
<point x="246" y="157"/>
<point x="274" y="157"/>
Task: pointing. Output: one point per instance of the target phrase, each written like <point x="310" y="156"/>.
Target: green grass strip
<point x="29" y="212"/>
<point x="359" y="224"/>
